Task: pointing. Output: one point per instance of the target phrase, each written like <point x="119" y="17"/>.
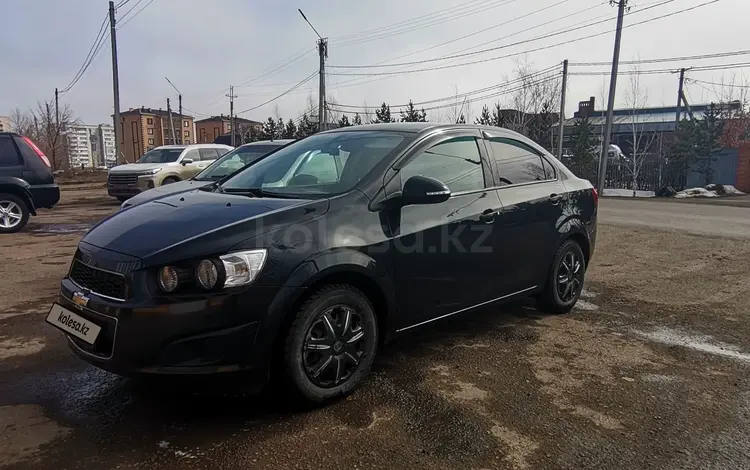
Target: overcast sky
<point x="204" y="46"/>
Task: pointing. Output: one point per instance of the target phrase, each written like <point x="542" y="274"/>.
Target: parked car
<point x="26" y="182"/>
<point x="303" y="263"/>
<point x="163" y="165"/>
<point x="224" y="166"/>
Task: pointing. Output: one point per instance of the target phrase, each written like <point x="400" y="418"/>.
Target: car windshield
<point x="320" y="165"/>
<point x="161" y="156"/>
<point x="234" y="160"/>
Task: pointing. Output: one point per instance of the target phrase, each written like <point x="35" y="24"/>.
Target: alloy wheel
<point x="10" y="214"/>
<point x="334" y="346"/>
<point x="569" y="277"/>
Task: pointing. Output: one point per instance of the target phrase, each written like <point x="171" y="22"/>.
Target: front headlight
<point x="150" y="172"/>
<point x="242" y="267"/>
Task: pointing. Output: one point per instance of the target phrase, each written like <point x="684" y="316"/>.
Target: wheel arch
<point x="18" y="187"/>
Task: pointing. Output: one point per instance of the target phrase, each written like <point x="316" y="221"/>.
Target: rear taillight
<point x="596" y="196"/>
<point x="38" y="152"/>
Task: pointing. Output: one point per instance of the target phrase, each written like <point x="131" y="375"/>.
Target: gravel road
<point x="649" y="371"/>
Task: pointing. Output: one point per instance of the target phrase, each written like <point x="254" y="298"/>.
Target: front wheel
<point x="565" y="279"/>
<point x="331" y="344"/>
<point x="14" y="213"/>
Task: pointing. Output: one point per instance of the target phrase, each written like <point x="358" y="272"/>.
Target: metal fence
<point x="651" y="176"/>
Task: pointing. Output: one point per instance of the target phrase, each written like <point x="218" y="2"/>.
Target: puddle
<point x="61" y="228"/>
<point x="702" y="343"/>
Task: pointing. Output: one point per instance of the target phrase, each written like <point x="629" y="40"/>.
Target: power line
<point x="705" y="68"/>
<point x="135" y="5"/>
<point x="505" y="46"/>
<point x="295" y="58"/>
<point x="664" y="59"/>
<point x="692" y="80"/>
<point x="136" y="13"/>
<point x="527" y="51"/>
<point x="309" y="77"/>
<point x="121" y="4"/>
<point x="93" y="51"/>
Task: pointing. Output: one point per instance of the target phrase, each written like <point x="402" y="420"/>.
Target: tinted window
<point x="192" y="155"/>
<point x="8" y="154"/>
<point x="161" y="156"/>
<point x="549" y="170"/>
<point x="234" y="160"/>
<point x="208" y="154"/>
<point x="515" y="162"/>
<point x="455" y="162"/>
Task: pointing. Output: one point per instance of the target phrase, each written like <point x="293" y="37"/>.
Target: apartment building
<point x="91" y="146"/>
<point x="4" y="124"/>
<point x="207" y="130"/>
<point x="145" y="128"/>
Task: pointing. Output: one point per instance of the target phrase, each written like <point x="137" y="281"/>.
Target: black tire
<point x="303" y="348"/>
<point x="169" y="180"/>
<point x="16" y="206"/>
<point x="555" y="298"/>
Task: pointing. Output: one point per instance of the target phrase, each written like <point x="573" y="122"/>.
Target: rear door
<point x="444" y="254"/>
<point x="11" y="163"/>
<point x="532" y="197"/>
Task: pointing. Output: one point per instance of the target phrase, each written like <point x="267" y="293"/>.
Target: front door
<point x="443" y="254"/>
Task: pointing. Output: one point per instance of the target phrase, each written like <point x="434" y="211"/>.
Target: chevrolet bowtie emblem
<point x="80" y="300"/>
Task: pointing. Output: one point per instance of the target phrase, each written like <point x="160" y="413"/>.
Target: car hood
<point x="135" y="167"/>
<point x="165" y="190"/>
<point x="204" y="220"/>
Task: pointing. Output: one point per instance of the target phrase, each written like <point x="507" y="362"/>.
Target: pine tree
<point x="357" y="120"/>
<point x="681" y="153"/>
<point x="344" y="121"/>
<point x="268" y="132"/>
<point x="585" y="145"/>
<point x="461" y="119"/>
<point x="383" y="114"/>
<point x="304" y="124"/>
<point x="290" y="130"/>
<point x="498" y="118"/>
<point x="709" y="132"/>
<point x="484" y="119"/>
<point x="279" y="128"/>
<point x="412" y="114"/>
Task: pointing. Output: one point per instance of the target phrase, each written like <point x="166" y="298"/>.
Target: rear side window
<point x="456" y="162"/>
<point x="192" y="155"/>
<point x="515" y="162"/>
<point x="549" y="170"/>
<point x="8" y="153"/>
<point x="208" y="154"/>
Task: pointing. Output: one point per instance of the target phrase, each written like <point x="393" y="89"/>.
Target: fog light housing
<point x="207" y="274"/>
<point x="168" y="279"/>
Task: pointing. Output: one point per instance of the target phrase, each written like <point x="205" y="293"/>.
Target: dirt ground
<point x="649" y="371"/>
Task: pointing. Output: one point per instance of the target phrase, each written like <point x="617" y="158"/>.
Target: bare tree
<point x="457" y="110"/>
<point x="641" y="140"/>
<point x="734" y="105"/>
<point x="46" y="130"/>
<point x="334" y="115"/>
<point x="367" y="116"/>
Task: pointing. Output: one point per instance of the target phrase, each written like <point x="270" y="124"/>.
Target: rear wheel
<point x="14" y="213"/>
<point x="565" y="279"/>
<point x="331" y="344"/>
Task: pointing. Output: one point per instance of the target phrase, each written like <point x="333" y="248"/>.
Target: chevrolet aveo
<point x="300" y="265"/>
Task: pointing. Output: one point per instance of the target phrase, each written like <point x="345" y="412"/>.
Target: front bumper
<point x="132" y="188"/>
<point x="196" y="336"/>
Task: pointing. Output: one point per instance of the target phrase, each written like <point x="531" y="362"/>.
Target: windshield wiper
<point x="257" y="192"/>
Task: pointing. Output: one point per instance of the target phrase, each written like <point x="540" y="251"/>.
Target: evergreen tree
<point x="357" y="120"/>
<point x="484" y="119"/>
<point x="383" y="114"/>
<point x="585" y="148"/>
<point x="461" y="119"/>
<point x="344" y="121"/>
<point x="709" y="130"/>
<point x="290" y="130"/>
<point x="306" y="127"/>
<point x="498" y="119"/>
<point x="412" y="114"/>
<point x="279" y="128"/>
<point x="681" y="153"/>
<point x="268" y="132"/>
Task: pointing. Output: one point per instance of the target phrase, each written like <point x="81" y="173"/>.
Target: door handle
<point x="488" y="216"/>
<point x="554" y="199"/>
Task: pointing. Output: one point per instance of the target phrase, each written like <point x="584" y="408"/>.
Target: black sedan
<point x="304" y="262"/>
<point x="228" y="163"/>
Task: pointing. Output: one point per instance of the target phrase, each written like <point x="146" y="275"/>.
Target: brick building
<point x="207" y="130"/>
<point x="142" y="129"/>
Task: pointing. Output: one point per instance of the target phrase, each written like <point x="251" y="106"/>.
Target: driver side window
<point x="456" y="162"/>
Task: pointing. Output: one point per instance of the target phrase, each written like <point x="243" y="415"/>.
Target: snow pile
<point x="724" y="189"/>
<point x="711" y="190"/>
<point x="627" y="193"/>
<point x="695" y="192"/>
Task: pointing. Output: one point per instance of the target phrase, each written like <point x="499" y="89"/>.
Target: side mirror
<point x="187" y="161"/>
<point x="424" y="190"/>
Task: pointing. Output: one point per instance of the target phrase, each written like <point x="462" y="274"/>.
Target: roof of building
<point x="223" y="118"/>
<point x="650" y="116"/>
<point x="156" y="112"/>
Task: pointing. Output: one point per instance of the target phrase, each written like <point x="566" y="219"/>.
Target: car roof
<point x="427" y="128"/>
<point x="192" y="146"/>
<point x="267" y="142"/>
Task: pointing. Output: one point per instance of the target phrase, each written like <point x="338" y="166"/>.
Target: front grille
<point x="123" y="179"/>
<point x="99" y="281"/>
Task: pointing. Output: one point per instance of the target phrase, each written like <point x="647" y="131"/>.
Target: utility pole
<point x="57" y="112"/>
<point x="179" y="100"/>
<point x="115" y="78"/>
<point x="231" y="97"/>
<point x="323" y="53"/>
<point x="612" y="93"/>
<point x="679" y="98"/>
<point x="562" y="110"/>
<point x="171" y="121"/>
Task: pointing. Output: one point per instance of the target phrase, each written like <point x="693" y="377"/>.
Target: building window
<point x="150" y="141"/>
<point x="186" y="123"/>
<point x="150" y="131"/>
<point x="187" y="133"/>
<point x="149" y="121"/>
<point x="187" y="141"/>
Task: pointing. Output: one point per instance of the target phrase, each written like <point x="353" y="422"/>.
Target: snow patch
<point x="695" y="192"/>
<point x="729" y="189"/>
<point x="586" y="305"/>
<point x="613" y="192"/>
<point x="702" y="343"/>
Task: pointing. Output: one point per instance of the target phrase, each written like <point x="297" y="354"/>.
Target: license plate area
<point x="73" y="324"/>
